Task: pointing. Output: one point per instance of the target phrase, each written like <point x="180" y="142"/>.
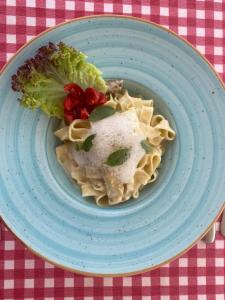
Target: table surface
<point x="198" y="274"/>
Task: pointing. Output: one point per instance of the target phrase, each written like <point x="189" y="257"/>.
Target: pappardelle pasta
<point x="124" y="146"/>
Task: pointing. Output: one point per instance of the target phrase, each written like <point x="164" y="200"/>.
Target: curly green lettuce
<point x="41" y="79"/>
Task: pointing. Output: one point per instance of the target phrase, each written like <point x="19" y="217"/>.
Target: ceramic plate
<point x="45" y="210"/>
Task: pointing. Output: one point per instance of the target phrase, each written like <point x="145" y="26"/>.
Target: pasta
<point x="100" y="181"/>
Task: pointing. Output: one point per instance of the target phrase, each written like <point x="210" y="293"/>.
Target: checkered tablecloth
<point x="199" y="274"/>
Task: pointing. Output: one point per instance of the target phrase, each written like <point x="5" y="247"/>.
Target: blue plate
<point x="46" y="211"/>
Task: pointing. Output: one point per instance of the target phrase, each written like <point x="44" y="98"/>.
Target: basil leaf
<point x="87" y="144"/>
<point x="78" y="146"/>
<point x="101" y="112"/>
<point x="118" y="157"/>
<point x="146" y="146"/>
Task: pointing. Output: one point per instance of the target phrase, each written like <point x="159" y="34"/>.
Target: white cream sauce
<point x="118" y="131"/>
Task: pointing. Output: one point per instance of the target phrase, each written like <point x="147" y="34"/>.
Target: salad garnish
<point x="56" y="78"/>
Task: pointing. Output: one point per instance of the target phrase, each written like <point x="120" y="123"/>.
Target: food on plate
<point x="114" y="153"/>
<point x="44" y="79"/>
<point x="112" y="142"/>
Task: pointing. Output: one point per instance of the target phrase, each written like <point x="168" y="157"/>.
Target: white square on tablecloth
<point x="8" y="284"/>
<point x="182" y="12"/>
<point x="48" y="265"/>
<point x="31" y="21"/>
<point x="183" y="280"/>
<point x="218" y="15"/>
<point x="29" y="283"/>
<point x="11" y="38"/>
<point x="164" y="11"/>
<point x="108" y="281"/>
<point x="218" y="33"/>
<point x="219" y="69"/>
<point x="8" y="56"/>
<point x="88" y="282"/>
<point x="201" y="49"/>
<point x="70" y="5"/>
<point x="219" y="262"/>
<point x="30" y="3"/>
<point x="50" y="4"/>
<point x="183" y="262"/>
<point x="127" y="281"/>
<point x="220" y="280"/>
<point x="10" y="2"/>
<point x="201" y="280"/>
<point x="50" y="22"/>
<point x="10" y="20"/>
<point x="219" y="297"/>
<point x="9" y="245"/>
<point x="164" y="281"/>
<point x="201" y="262"/>
<point x="8" y="264"/>
<point x="29" y="37"/>
<point x="200" y="31"/>
<point x="146" y="281"/>
<point x="202" y="297"/>
<point x="218" y="50"/>
<point x="29" y="264"/>
<point x="108" y="7"/>
<point x="182" y="30"/>
<point x="49" y="282"/>
<point x="183" y="297"/>
<point x="145" y="10"/>
<point x="200" y="14"/>
<point x="127" y="9"/>
<point x="69" y="282"/>
<point x="89" y="6"/>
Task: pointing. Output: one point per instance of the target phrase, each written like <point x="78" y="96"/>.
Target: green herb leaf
<point x="101" y="112"/>
<point x="87" y="144"/>
<point x="118" y="157"/>
<point x="78" y="146"/>
<point x="146" y="146"/>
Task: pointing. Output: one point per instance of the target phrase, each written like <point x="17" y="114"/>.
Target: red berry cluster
<point x="79" y="103"/>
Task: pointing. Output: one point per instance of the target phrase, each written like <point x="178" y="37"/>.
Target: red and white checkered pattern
<point x="199" y="274"/>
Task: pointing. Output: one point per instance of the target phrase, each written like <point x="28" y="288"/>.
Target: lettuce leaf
<point x="41" y="79"/>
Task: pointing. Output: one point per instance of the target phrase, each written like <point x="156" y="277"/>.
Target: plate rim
<point x="118" y="16"/>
